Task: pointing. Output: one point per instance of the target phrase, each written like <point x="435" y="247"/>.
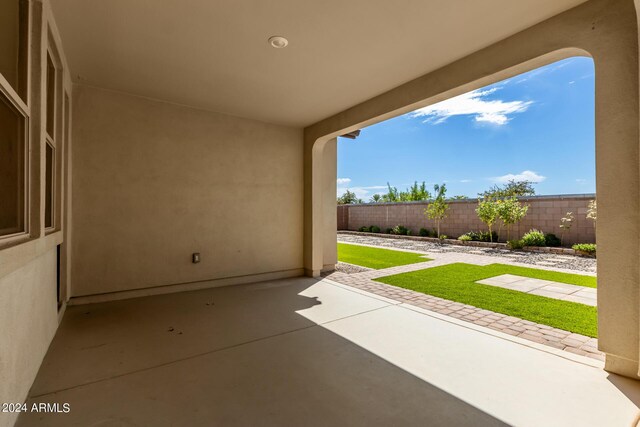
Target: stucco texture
<point x="154" y="182"/>
<point x="29" y="319"/>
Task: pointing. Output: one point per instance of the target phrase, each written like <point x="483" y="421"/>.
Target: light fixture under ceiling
<point x="278" y="42"/>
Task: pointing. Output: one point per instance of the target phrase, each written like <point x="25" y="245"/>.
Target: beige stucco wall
<point x="154" y="182"/>
<point x="29" y="319"/>
<point x="607" y="30"/>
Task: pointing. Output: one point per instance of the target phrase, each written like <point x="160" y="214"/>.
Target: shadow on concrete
<point x="228" y="356"/>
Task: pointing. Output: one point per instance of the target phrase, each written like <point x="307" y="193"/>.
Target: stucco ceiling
<point x="213" y="54"/>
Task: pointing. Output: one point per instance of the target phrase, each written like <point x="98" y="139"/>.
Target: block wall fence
<point x="544" y="214"/>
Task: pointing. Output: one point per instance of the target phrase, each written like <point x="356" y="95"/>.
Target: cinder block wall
<point x="544" y="214"/>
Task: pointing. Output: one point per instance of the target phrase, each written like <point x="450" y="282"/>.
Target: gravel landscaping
<point x="346" y="268"/>
<point x="569" y="262"/>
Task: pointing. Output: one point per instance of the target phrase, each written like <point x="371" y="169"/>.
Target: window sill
<point x="16" y="254"/>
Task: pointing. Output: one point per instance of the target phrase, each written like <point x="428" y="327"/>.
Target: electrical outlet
<point x="195" y="257"/>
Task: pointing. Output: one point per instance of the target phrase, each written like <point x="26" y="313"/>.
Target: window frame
<point x="56" y="137"/>
<point x="17" y="99"/>
<point x="23" y="113"/>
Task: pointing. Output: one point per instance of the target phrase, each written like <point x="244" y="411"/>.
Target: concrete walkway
<point x="313" y="353"/>
<point x="535" y="332"/>
<point x="545" y="288"/>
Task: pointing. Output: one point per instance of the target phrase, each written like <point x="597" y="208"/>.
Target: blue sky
<point x="537" y="126"/>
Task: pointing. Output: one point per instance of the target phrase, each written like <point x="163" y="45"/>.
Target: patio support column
<point x="329" y="205"/>
<point x="319" y="205"/>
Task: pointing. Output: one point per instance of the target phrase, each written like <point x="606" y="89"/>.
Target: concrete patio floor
<point x="307" y="352"/>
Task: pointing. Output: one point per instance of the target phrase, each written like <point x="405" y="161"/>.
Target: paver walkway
<point x="543" y="334"/>
<point x="545" y="288"/>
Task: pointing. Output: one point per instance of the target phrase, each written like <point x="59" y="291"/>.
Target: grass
<point x="456" y="282"/>
<point x="376" y="258"/>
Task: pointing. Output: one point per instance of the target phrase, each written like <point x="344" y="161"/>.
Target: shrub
<point x="534" y="238"/>
<point x="485" y="236"/>
<point x="424" y="232"/>
<point x="515" y="244"/>
<point x="364" y="229"/>
<point x="482" y="236"/>
<point x="551" y="239"/>
<point x="443" y="236"/>
<point x="589" y="248"/>
<point x="400" y="230"/>
<point x="465" y="238"/>
<point x="374" y="229"/>
<point x="389" y="231"/>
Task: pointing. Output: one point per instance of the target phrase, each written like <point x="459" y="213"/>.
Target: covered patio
<point x="168" y="206"/>
<point x="309" y="352"/>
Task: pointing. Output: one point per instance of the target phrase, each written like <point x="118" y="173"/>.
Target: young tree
<point x="488" y="213"/>
<point x="565" y="224"/>
<point x="511" y="211"/>
<point x="437" y="209"/>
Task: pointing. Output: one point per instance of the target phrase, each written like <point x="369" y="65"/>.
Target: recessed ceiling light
<point x="278" y="42"/>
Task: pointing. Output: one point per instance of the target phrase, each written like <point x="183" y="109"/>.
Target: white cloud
<point x="475" y="104"/>
<point x="465" y="180"/>
<point x="522" y="176"/>
<point x="343" y="181"/>
<point x="581" y="180"/>
<point x="362" y="192"/>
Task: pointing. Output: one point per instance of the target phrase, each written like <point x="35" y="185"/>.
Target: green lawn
<point x="376" y="258"/>
<point x="455" y="282"/>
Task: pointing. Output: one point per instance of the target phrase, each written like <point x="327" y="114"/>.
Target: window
<point x="14" y="114"/>
<point x="13" y="44"/>
<point x="12" y="169"/>
<point x="51" y="96"/>
<point x="49" y="186"/>
<point x="53" y="138"/>
<point x="50" y="145"/>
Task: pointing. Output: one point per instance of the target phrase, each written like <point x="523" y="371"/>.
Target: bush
<point x="364" y="229"/>
<point x="443" y="236"/>
<point x="482" y="236"/>
<point x="374" y="229"/>
<point x="534" y="238"/>
<point x="552" y="240"/>
<point x="515" y="244"/>
<point x="465" y="238"/>
<point x="424" y="232"/>
<point x="400" y="230"/>
<point x="389" y="231"/>
<point x="589" y="248"/>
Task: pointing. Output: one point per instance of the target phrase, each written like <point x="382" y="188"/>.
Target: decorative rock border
<point x="544" y="249"/>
